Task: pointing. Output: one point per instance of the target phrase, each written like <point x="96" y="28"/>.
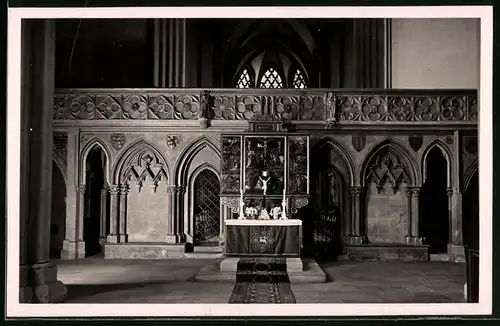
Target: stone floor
<point x="95" y="280"/>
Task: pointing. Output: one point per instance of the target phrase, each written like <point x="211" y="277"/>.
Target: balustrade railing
<point x="328" y="106"/>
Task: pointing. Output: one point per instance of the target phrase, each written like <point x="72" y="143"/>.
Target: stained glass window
<point x="271" y="79"/>
<point x="244" y="80"/>
<point x="298" y="80"/>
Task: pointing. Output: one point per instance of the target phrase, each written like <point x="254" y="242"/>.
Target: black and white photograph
<point x="249" y="161"/>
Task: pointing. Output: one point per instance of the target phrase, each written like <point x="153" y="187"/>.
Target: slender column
<point x="113" y="218"/>
<point x="415" y="216"/>
<point x="122" y="221"/>
<point x="455" y="248"/>
<point x="81" y="212"/>
<point x="449" y="192"/>
<point x="170" y="237"/>
<point x="409" y="201"/>
<point x="43" y="276"/>
<point x="180" y="193"/>
<point x="103" y="214"/>
<point x="356" y="236"/>
<point x="72" y="247"/>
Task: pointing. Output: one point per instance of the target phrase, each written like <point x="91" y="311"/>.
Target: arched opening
<point x="434" y="207"/>
<point x="206" y="189"/>
<point x="470" y="213"/>
<point x="58" y="212"/>
<point x="329" y="209"/>
<point x="96" y="209"/>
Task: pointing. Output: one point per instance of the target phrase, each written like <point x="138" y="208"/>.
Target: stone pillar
<point x="73" y="248"/>
<point x="169" y="52"/>
<point x="415" y="217"/>
<point x="409" y="195"/>
<point x="179" y="227"/>
<point x="122" y="221"/>
<point x="456" y="249"/>
<point x="103" y="217"/>
<point x="170" y="236"/>
<point x="356" y="236"/>
<point x="43" y="272"/>
<point x="113" y="214"/>
<point x="80" y="218"/>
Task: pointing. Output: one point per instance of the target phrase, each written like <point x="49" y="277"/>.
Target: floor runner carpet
<point x="262" y="280"/>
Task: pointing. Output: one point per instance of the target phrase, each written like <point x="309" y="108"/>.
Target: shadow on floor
<point x="81" y="291"/>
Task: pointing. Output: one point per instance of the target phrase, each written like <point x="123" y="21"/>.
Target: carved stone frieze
<point x="297" y="203"/>
<point x="285" y="105"/>
<point x="118" y="140"/>
<point x="232" y="202"/>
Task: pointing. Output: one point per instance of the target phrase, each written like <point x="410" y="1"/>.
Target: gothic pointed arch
<point x="93" y="143"/>
<point x="445" y="150"/>
<point x="183" y="164"/>
<point x="141" y="161"/>
<point x="337" y="147"/>
<point x="61" y="166"/>
<point x="469" y="173"/>
<point x="389" y="161"/>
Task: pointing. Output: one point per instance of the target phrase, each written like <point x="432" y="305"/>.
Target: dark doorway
<point x="434" y="211"/>
<point x="322" y="238"/>
<point x="206" y="209"/>
<point x="470" y="213"/>
<point x="58" y="212"/>
<point x="95" y="182"/>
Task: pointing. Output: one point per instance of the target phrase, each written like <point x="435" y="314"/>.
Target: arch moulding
<point x="84" y="154"/>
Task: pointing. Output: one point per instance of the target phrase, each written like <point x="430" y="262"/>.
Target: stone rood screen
<point x="329" y="106"/>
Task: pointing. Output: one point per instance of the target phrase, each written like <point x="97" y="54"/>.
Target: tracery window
<point x="271" y="79"/>
<point x="298" y="80"/>
<point x="244" y="80"/>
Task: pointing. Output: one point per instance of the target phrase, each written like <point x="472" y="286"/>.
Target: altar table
<point x="263" y="237"/>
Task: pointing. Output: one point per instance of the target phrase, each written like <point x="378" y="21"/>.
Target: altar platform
<point x="267" y="249"/>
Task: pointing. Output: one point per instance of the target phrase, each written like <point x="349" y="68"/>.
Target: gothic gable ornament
<point x="415" y="142"/>
<point x="387" y="168"/>
<point x="358" y="142"/>
<point x="117" y="141"/>
<point x="173" y="141"/>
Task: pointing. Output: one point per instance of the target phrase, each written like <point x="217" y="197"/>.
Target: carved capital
<point x="356" y="191"/>
<point x="449" y="191"/>
<point x="114" y="189"/>
<point x="180" y="189"/>
<point x="409" y="191"/>
<point x="80" y="188"/>
<point x="415" y="191"/>
<point x="171" y="189"/>
<point x="124" y="189"/>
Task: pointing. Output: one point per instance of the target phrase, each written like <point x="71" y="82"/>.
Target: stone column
<point x="169" y="52"/>
<point x="179" y="203"/>
<point x="103" y="217"/>
<point x="357" y="215"/>
<point x="113" y="214"/>
<point x="43" y="272"/>
<point x="456" y="249"/>
<point x="409" y="201"/>
<point x="122" y="221"/>
<point x="170" y="236"/>
<point x="80" y="218"/>
<point x="415" y="216"/>
<point x="72" y="247"/>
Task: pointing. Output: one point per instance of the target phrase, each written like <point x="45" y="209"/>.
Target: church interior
<point x="190" y="160"/>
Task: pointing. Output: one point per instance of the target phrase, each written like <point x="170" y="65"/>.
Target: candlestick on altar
<point x="242" y="206"/>
<point x="283" y="209"/>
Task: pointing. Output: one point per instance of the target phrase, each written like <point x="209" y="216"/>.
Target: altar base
<point x="299" y="270"/>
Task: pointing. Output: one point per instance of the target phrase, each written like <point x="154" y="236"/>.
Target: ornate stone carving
<point x="117" y="140"/>
<point x="114" y="190"/>
<point x="448" y="140"/>
<point x="60" y="145"/>
<point x="80" y="188"/>
<point x="387" y="167"/>
<point x="415" y="191"/>
<point x="415" y="142"/>
<point x="173" y="142"/>
<point x="83" y="139"/>
<point x="285" y="105"/>
<point x="409" y="192"/>
<point x="232" y="202"/>
<point x="298" y="203"/>
<point x="356" y="191"/>
<point x="124" y="189"/>
<point x="146" y="166"/>
<point x="171" y="189"/>
<point x="449" y="191"/>
<point x="358" y="142"/>
<point x="203" y="116"/>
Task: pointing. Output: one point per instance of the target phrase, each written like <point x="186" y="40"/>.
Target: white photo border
<point x="484" y="307"/>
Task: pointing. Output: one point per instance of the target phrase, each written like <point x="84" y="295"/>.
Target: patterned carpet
<point x="262" y="280"/>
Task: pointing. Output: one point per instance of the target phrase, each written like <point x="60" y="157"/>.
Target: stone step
<point x="213" y="249"/>
<point x="203" y="255"/>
